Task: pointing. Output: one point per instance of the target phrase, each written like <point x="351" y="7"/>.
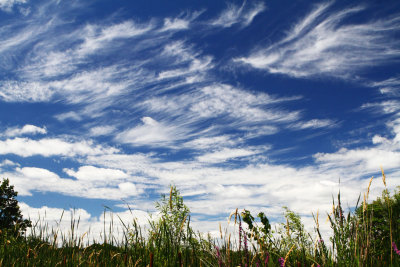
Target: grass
<point x="364" y="237"/>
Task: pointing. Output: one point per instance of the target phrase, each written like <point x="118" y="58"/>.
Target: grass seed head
<point x="369" y="186"/>
<point x="383" y="177"/>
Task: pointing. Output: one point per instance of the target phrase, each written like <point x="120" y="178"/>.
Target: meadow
<point x="366" y="236"/>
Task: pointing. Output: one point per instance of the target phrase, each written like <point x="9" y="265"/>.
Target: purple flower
<point x="281" y="262"/>
<point x="395" y="249"/>
<point x="218" y="256"/>
<point x="240" y="235"/>
<point x="266" y="260"/>
<point x="245" y="242"/>
<point x="245" y="248"/>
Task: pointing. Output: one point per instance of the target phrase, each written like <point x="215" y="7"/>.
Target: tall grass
<point x="366" y="236"/>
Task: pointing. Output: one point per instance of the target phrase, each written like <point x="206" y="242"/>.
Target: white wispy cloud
<point x="92" y="173"/>
<point x="219" y="100"/>
<point x="96" y="37"/>
<point x="212" y="142"/>
<point x="242" y="15"/>
<point x="70" y="115"/>
<point x="102" y="130"/>
<point x="385" y="152"/>
<point x="114" y="185"/>
<point x="180" y="22"/>
<point x="367" y="159"/>
<point x="321" y="44"/>
<point x="175" y="24"/>
<point x="226" y="154"/>
<point x="49" y="61"/>
<point x="27" y="129"/>
<point x="8" y="162"/>
<point x="387" y="106"/>
<point x="389" y="86"/>
<point x="250" y="113"/>
<point x="130" y="163"/>
<point x="47" y="147"/>
<point x="7" y="5"/>
<point x="196" y="66"/>
<point x="151" y="132"/>
<point x="314" y="124"/>
<point x="16" y="91"/>
<point x="17" y="39"/>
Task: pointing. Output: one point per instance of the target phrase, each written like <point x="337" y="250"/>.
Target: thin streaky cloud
<point x="84" y="42"/>
<point x="226" y="154"/>
<point x="320" y="44"/>
<point x="151" y="132"/>
<point x="242" y="15"/>
<point x="175" y="24"/>
<point x="314" y="124"/>
<point x="232" y="107"/>
<point x="386" y="107"/>
<point x="390" y="86"/>
<point x="181" y="22"/>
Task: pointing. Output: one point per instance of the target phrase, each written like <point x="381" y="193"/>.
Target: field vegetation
<point x="366" y="236"/>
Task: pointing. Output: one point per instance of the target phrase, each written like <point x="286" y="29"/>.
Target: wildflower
<point x="245" y="242"/>
<point x="245" y="248"/>
<point x="218" y="256"/>
<point x="266" y="259"/>
<point x="240" y="235"/>
<point x="281" y="262"/>
<point x="395" y="249"/>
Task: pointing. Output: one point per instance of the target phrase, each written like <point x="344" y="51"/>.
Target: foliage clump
<point x="11" y="219"/>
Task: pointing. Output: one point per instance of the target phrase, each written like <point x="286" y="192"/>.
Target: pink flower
<point x="395" y="249"/>
<point x="240" y="235"/>
<point x="281" y="262"/>
<point x="218" y="256"/>
<point x="266" y="260"/>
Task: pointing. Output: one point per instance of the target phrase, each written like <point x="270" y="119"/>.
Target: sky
<point x="240" y="104"/>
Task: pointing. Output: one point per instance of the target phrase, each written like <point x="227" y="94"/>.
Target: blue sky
<point x="250" y="104"/>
